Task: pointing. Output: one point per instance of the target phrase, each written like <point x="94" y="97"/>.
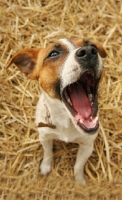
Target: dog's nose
<point x="87" y="53"/>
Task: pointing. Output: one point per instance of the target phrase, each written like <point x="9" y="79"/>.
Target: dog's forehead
<point x="68" y="43"/>
<point x="61" y="44"/>
<point x="73" y="42"/>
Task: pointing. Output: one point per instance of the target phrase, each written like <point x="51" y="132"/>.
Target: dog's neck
<point x="57" y="111"/>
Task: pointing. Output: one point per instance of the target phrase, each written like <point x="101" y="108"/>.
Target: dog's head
<point x="69" y="70"/>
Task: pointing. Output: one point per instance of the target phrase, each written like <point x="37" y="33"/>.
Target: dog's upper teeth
<point x="90" y="97"/>
<point x="66" y="95"/>
<point x="69" y="101"/>
<point x="92" y="103"/>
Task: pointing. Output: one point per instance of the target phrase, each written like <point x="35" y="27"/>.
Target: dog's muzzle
<point x="80" y="97"/>
<point x="87" y="56"/>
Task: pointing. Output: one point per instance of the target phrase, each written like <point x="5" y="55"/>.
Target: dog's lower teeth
<point x="90" y="119"/>
<point x="81" y="121"/>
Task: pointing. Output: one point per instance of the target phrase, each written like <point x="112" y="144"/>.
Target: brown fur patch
<point x="49" y="68"/>
<point x="101" y="49"/>
<point x="77" y="42"/>
<point x="49" y="75"/>
<point x="25" y="60"/>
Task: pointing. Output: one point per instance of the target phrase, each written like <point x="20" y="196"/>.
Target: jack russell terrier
<point x="69" y="72"/>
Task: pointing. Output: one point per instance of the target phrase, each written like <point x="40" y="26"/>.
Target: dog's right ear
<point x="26" y="60"/>
<point x="101" y="49"/>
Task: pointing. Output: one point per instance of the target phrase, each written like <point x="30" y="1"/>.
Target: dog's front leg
<point x="45" y="166"/>
<point x="84" y="152"/>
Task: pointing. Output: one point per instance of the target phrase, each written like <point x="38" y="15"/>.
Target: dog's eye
<point x="53" y="54"/>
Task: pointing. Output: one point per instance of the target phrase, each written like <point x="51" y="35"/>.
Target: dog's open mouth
<point x="81" y="100"/>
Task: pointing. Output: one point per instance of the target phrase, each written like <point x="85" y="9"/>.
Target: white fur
<point x="71" y="70"/>
<point x="68" y="44"/>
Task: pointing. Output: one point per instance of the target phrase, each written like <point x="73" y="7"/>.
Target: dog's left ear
<point x="100" y="48"/>
<point x="26" y="60"/>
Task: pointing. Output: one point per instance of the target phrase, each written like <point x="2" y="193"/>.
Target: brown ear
<point x="101" y="49"/>
<point x="26" y="60"/>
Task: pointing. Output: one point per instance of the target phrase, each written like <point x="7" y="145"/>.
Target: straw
<point x="36" y="23"/>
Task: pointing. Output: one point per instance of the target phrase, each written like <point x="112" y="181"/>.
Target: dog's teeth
<point x="66" y="95"/>
<point x="92" y="104"/>
<point x="93" y="119"/>
<point x="69" y="101"/>
<point x="90" y="97"/>
<point x="81" y="121"/>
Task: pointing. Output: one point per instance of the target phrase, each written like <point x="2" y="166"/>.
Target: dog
<point x="68" y="72"/>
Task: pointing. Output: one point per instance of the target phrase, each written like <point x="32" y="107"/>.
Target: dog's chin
<point x="83" y="129"/>
<point x="80" y="98"/>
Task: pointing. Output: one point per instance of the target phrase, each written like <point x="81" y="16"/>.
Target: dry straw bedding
<point x="34" y="23"/>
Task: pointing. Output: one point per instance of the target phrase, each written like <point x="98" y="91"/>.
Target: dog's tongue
<point x="80" y="101"/>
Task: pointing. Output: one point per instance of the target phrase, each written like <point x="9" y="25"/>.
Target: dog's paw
<point x="45" y="168"/>
<point x="80" y="178"/>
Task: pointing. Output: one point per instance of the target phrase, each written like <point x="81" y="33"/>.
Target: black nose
<point x="87" y="53"/>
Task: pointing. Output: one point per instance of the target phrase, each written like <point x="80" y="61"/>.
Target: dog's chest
<point x="52" y="112"/>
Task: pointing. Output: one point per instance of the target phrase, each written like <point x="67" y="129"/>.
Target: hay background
<point x="34" y="23"/>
